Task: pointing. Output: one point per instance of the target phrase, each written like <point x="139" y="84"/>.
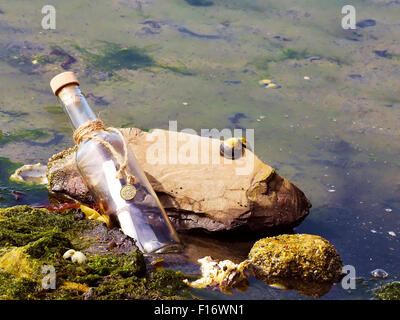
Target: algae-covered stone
<point x="298" y="256"/>
<point x="389" y="291"/>
<point x="33" y="238"/>
<point x="12" y="287"/>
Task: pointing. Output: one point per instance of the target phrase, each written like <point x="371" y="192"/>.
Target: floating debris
<point x="268" y="84"/>
<point x="392" y="233"/>
<point x="388" y="210"/>
<point x="307" y="78"/>
<point x="232" y="82"/>
<point x="225" y="275"/>
<point x="366" y="23"/>
<point x="185" y="103"/>
<point x="373" y="231"/>
<point x="355" y="76"/>
<point x="379" y="273"/>
<point x="260" y="118"/>
<point x="314" y="58"/>
<point x="17" y="195"/>
<point x="31" y="173"/>
<point x="94" y="215"/>
<point x="383" y="54"/>
<point x="332" y="189"/>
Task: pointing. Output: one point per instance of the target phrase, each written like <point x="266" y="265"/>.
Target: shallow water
<point x="336" y="136"/>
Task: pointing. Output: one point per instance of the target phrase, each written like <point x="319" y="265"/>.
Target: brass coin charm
<point x="128" y="192"/>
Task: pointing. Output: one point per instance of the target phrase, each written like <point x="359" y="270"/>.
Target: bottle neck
<point x="75" y="105"/>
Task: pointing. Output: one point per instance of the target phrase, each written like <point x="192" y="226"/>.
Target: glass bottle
<point x="142" y="218"/>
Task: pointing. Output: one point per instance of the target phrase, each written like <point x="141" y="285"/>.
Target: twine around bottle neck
<point x="89" y="131"/>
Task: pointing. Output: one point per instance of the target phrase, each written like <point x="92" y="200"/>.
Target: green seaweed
<point x="51" y="243"/>
<point x="12" y="287"/>
<point x="169" y="282"/>
<point x="56" y="110"/>
<point x="44" y="235"/>
<point x="389" y="291"/>
<point x="23" y="135"/>
<point x="285" y="54"/>
<point x="24" y="225"/>
<point x="113" y="57"/>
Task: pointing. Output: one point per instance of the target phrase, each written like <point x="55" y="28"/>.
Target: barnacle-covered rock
<point x="302" y="257"/>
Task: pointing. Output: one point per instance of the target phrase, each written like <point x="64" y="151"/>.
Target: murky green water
<point x="138" y="61"/>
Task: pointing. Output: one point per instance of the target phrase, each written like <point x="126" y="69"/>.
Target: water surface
<point x="336" y="136"/>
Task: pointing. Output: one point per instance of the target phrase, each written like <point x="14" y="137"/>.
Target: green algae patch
<point x="389" y="291"/>
<point x="32" y="238"/>
<point x="165" y="284"/>
<point x="17" y="262"/>
<point x="12" y="287"/>
<point x="24" y="225"/>
<point x="112" y="57"/>
<point x="23" y="135"/>
<point x="285" y="54"/>
<point x="54" y="110"/>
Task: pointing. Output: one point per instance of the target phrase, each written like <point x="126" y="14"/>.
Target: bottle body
<point x="142" y="216"/>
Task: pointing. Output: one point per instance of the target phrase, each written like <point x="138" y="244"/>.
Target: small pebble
<point x="78" y="257"/>
<point x="379" y="273"/>
<point x="185" y="104"/>
<point x="307" y="78"/>
<point x="69" y="254"/>
<point x="111" y="244"/>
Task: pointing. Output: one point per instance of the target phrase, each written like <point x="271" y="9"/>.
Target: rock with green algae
<point x="301" y="256"/>
<point x="31" y="238"/>
<point x="303" y="262"/>
<point x="388" y="291"/>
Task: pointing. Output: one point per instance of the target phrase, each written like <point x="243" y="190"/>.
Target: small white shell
<point x="78" y="257"/>
<point x="69" y="254"/>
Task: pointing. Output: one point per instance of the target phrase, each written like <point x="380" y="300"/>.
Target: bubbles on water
<point x="332" y="189"/>
<point x="379" y="273"/>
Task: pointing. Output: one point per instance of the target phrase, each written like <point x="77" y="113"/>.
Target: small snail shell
<point x="69" y="254"/>
<point x="233" y="148"/>
<point x="78" y="257"/>
<point x="75" y="256"/>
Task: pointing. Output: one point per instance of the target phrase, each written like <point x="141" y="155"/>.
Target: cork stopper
<point x="61" y="80"/>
